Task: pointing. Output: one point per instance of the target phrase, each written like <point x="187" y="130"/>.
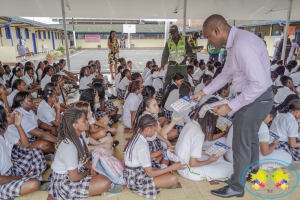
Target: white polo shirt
<point x="28" y="123"/>
<point x="45" y="80"/>
<point x="83" y="83"/>
<point x="285" y="125"/>
<point x="6" y="145"/>
<point x="123" y="83"/>
<point x="173" y="96"/>
<point x="27" y="79"/>
<point x="144" y="73"/>
<point x="157" y="84"/>
<point x="45" y="113"/>
<point x="117" y="79"/>
<point x="198" y="73"/>
<point x="282" y="93"/>
<point x="131" y="104"/>
<point x="10" y="97"/>
<point x="296" y="78"/>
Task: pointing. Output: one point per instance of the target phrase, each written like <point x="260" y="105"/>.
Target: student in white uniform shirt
<point x="131" y="104"/>
<point x="204" y="80"/>
<point x="39" y="70"/>
<point x="2" y="77"/>
<point x="190" y="71"/>
<point x="142" y="175"/>
<point x="3" y="97"/>
<point x="288" y="70"/>
<point x="150" y="72"/>
<point x="158" y="86"/>
<point x="189" y="148"/>
<point x="18" y="86"/>
<point x="84" y="81"/>
<point x="14" y="178"/>
<point x="285" y="125"/>
<point x="56" y="84"/>
<point x="296" y="78"/>
<point x="210" y="70"/>
<point x="118" y="77"/>
<point x="149" y="79"/>
<point x="197" y="74"/>
<point x="147" y="69"/>
<point x="71" y="156"/>
<point x="49" y="108"/>
<point x="17" y="73"/>
<point x="7" y="73"/>
<point x="30" y="81"/>
<point x="280" y="71"/>
<point x="46" y="77"/>
<point x="278" y="63"/>
<point x="288" y="89"/>
<point x="123" y="85"/>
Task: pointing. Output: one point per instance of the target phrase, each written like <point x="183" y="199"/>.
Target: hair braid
<point x="66" y="131"/>
<point x="145" y="121"/>
<point x="133" y="86"/>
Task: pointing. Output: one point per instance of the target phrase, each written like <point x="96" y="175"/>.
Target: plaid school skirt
<point x="99" y="114"/>
<point x="35" y="160"/>
<point x="19" y="152"/>
<point x="178" y="128"/>
<point x="109" y="105"/>
<point x="22" y="50"/>
<point x="158" y="96"/>
<point x="294" y="152"/>
<point x="168" y="114"/>
<point x="121" y="94"/>
<point x="139" y="182"/>
<point x="154" y="145"/>
<point x="62" y="187"/>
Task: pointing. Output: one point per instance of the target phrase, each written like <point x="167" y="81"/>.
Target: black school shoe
<point x="109" y="84"/>
<point x="116" y="118"/>
<point x="227" y="192"/>
<point x="115" y="143"/>
<point x="112" y="97"/>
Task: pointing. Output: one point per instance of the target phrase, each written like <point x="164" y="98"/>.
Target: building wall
<point x="29" y="42"/>
<point x="136" y="42"/>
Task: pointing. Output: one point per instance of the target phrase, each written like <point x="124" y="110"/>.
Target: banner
<point x="292" y="30"/>
<point x="92" y="38"/>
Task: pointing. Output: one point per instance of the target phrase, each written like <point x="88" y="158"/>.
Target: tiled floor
<point x="189" y="190"/>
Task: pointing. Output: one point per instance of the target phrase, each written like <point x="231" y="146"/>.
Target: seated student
<point x="177" y="80"/>
<point x="223" y="92"/>
<point x="39" y="70"/>
<point x="288" y="88"/>
<point x="46" y="76"/>
<point x="122" y="61"/>
<point x="14" y="178"/>
<point x="135" y="76"/>
<point x="3" y="98"/>
<point x="20" y="65"/>
<point x="17" y="74"/>
<point x="30" y="81"/>
<point x="131" y="104"/>
<point x="46" y="63"/>
<point x="288" y="70"/>
<point x="197" y="74"/>
<point x="274" y="76"/>
<point x="203" y="82"/>
<point x="158" y="86"/>
<point x="280" y="71"/>
<point x="295" y="68"/>
<point x="7" y="73"/>
<point x="189" y="148"/>
<point x="144" y="175"/>
<point x="129" y="65"/>
<point x="57" y="83"/>
<point x="123" y="85"/>
<point x="24" y="103"/>
<point x="184" y="90"/>
<point x="2" y="77"/>
<point x="285" y="125"/>
<point x="105" y="141"/>
<point x="49" y="109"/>
<point x="218" y="71"/>
<point x="149" y="92"/>
<point x="190" y="70"/>
<point x="296" y="78"/>
<point x="70" y="157"/>
<point x="84" y="81"/>
<point x="70" y="74"/>
<point x="18" y="86"/>
<point x="118" y="77"/>
<point x="91" y="71"/>
<point x="278" y="63"/>
<point x="210" y="70"/>
<point x="68" y="79"/>
<point x="147" y="69"/>
<point x="154" y="66"/>
<point x="91" y="96"/>
<point x="149" y="80"/>
<point x="282" y="107"/>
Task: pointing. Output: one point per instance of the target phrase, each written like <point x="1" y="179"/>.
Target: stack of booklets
<point x="218" y="149"/>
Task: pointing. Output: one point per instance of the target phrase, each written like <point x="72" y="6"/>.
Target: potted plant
<point x="79" y="48"/>
<point x="99" y="46"/>
<point x="49" y="57"/>
<point x="62" y="49"/>
<point x="72" y="51"/>
<point x="56" y="54"/>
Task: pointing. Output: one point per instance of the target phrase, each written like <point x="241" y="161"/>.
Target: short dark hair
<point x="285" y="79"/>
<point x="135" y="76"/>
<point x="190" y="67"/>
<point x="20" y="96"/>
<point x="184" y="90"/>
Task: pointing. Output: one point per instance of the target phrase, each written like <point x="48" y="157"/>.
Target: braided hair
<point x="145" y="122"/>
<point x="148" y="91"/>
<point x="81" y="74"/>
<point x="46" y="70"/>
<point x="66" y="131"/>
<point x="133" y="86"/>
<point x="141" y="109"/>
<point x="208" y="122"/>
<point x="123" y="73"/>
<point x="293" y="105"/>
<point x="88" y="95"/>
<point x="48" y="93"/>
<point x="14" y="71"/>
<point x="55" y="79"/>
<point x="84" y="107"/>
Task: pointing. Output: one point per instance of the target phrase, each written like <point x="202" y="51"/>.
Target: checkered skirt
<point x="158" y="96"/>
<point x="168" y="114"/>
<point x="139" y="182"/>
<point x="109" y="105"/>
<point x="178" y="128"/>
<point x="99" y="114"/>
<point x="22" y="50"/>
<point x="33" y="159"/>
<point x="121" y="94"/>
<point x="154" y="145"/>
<point x="62" y="187"/>
<point x="294" y="152"/>
<point x="19" y="152"/>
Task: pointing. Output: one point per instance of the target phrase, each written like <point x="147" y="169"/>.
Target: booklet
<point x="170" y="156"/>
<point x="223" y="122"/>
<point x="218" y="149"/>
<point x="272" y="137"/>
<point x="183" y="104"/>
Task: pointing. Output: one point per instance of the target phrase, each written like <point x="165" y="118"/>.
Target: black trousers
<point x="245" y="145"/>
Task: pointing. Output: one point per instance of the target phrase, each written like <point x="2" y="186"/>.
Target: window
<point x="39" y="34"/>
<point x="55" y="36"/>
<point x="44" y="33"/>
<point x="26" y="33"/>
<point x="18" y="32"/>
<point x="49" y="35"/>
<point x="7" y="32"/>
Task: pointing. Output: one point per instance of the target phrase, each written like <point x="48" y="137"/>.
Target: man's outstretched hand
<point x="221" y="110"/>
<point x="198" y="96"/>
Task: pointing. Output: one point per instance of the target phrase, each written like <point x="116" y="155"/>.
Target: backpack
<point x="106" y="164"/>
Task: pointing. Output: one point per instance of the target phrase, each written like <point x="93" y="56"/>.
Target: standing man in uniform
<point x="194" y="44"/>
<point x="176" y="47"/>
<point x="213" y="52"/>
<point x="223" y="54"/>
<point x="248" y="66"/>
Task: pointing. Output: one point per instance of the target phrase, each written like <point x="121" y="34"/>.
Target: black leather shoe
<point x="112" y="97"/>
<point x="227" y="192"/>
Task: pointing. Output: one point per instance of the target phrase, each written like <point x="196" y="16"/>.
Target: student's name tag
<point x="218" y="149"/>
<point x="272" y="137"/>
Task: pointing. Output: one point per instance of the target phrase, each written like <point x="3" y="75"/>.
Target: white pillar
<point x="65" y="33"/>
<point x="74" y="38"/>
<point x="184" y="17"/>
<point x="286" y="31"/>
<point x="166" y="31"/>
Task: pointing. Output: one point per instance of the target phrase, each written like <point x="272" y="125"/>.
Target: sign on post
<point x="92" y="38"/>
